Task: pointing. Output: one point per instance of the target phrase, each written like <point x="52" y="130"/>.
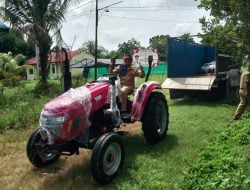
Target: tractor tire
<point x="107" y="157"/>
<point x="39" y="158"/>
<point x="155" y="118"/>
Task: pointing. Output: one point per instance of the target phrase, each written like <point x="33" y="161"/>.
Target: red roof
<point x="55" y="57"/>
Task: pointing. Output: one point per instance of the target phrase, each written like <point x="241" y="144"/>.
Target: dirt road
<point x="68" y="173"/>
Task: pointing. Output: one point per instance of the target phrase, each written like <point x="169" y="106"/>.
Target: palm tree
<point x="40" y="18"/>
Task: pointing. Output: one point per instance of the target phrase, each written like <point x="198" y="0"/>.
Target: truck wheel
<point x="39" y="157"/>
<point x="155" y="118"/>
<point x="107" y="157"/>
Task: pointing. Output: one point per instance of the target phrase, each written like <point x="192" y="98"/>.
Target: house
<point x="55" y="61"/>
<point x="78" y="71"/>
<point x="102" y="66"/>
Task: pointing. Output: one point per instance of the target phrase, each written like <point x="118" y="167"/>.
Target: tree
<point x="228" y="28"/>
<point x="187" y="37"/>
<point x="40" y="19"/>
<point x="113" y="54"/>
<point x="159" y="42"/>
<point x="128" y="47"/>
<point x="89" y="47"/>
<point x="14" y="42"/>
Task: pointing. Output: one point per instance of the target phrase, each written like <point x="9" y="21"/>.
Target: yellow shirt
<point x="129" y="78"/>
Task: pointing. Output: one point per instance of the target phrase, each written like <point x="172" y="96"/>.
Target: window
<point x="53" y="69"/>
<point x="31" y="72"/>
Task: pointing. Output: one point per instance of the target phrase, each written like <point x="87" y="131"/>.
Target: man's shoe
<point x="236" y="118"/>
<point x="126" y="117"/>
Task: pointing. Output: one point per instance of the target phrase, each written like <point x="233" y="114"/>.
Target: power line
<point x="156" y="9"/>
<point x="152" y="20"/>
<point x="83" y="14"/>
<point x="87" y="31"/>
<point x="89" y="16"/>
<point x="79" y="6"/>
<point x="142" y="7"/>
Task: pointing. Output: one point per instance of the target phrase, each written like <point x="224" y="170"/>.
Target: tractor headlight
<point x="55" y="120"/>
<point x="51" y="125"/>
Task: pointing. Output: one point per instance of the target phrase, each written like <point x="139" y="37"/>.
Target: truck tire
<point x="155" y="118"/>
<point x="39" y="158"/>
<point x="107" y="157"/>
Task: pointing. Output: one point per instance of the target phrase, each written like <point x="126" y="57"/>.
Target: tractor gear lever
<point x="150" y="60"/>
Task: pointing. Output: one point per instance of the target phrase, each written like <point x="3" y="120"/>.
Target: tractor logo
<point x="98" y="98"/>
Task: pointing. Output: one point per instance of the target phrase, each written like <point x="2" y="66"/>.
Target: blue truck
<point x="196" y="70"/>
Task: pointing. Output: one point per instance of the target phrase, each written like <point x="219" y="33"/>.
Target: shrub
<point x="46" y="89"/>
<point x="20" y="59"/>
<point x="221" y="165"/>
<point x="12" y="81"/>
<point x="20" y="107"/>
<point x="1" y="89"/>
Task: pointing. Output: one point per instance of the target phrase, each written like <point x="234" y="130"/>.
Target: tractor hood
<point x="73" y="99"/>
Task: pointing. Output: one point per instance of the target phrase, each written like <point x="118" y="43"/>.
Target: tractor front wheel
<point x="107" y="157"/>
<point x="155" y="118"/>
<point x="40" y="156"/>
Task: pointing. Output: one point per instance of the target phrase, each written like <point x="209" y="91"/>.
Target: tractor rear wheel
<point x="155" y="118"/>
<point x="107" y="157"/>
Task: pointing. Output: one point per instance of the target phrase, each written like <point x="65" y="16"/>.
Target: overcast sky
<point x="139" y="19"/>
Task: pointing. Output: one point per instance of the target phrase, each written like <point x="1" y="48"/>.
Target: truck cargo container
<point x="195" y="70"/>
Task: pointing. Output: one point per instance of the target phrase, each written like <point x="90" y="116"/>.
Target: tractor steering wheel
<point x="112" y="77"/>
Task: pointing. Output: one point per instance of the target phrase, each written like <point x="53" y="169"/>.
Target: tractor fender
<point x="141" y="98"/>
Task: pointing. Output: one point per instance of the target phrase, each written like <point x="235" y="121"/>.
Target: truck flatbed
<point x="199" y="82"/>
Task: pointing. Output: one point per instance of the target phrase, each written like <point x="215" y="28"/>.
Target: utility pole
<point x="96" y="30"/>
<point x="66" y="73"/>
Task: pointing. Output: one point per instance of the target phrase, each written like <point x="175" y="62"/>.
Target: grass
<point x="163" y="166"/>
<point x="20" y="106"/>
<point x="224" y="163"/>
<point x="193" y="126"/>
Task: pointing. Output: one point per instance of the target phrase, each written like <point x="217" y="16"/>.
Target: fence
<point x="160" y="69"/>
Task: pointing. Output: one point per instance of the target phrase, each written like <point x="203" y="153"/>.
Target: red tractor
<point x="88" y="117"/>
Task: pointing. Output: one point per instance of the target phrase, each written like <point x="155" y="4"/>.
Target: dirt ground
<point x="68" y="173"/>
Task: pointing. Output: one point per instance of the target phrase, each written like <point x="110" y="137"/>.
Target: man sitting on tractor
<point x="127" y="74"/>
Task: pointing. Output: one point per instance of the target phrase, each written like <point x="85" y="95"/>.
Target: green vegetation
<point x="13" y="41"/>
<point x="223" y="164"/>
<point x="193" y="124"/>
<point x="228" y="27"/>
<point x="41" y="20"/>
<point x="12" y="70"/>
<point x="203" y="150"/>
<point x="20" y="106"/>
<point x="160" y="42"/>
<point x="128" y="47"/>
